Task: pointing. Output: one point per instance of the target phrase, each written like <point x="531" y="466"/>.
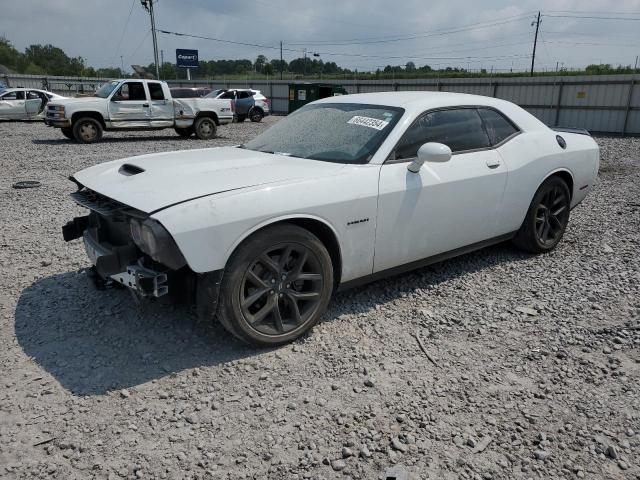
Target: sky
<point x="358" y="34"/>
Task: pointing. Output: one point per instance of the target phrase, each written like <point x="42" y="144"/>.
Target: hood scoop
<point x="128" y="170"/>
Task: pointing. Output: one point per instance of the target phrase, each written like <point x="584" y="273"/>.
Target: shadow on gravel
<point x="94" y="341"/>
<point x="119" y="139"/>
<point x="365" y="298"/>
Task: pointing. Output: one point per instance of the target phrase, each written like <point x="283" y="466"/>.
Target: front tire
<point x="205" y="128"/>
<point x="67" y="132"/>
<point x="184" y="132"/>
<point x="546" y="219"/>
<point x="276" y="286"/>
<point x="87" y="130"/>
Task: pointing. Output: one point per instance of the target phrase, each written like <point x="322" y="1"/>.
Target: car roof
<point x="415" y="102"/>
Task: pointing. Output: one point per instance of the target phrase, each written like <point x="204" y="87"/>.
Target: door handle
<point x="145" y="104"/>
<point x="493" y="163"/>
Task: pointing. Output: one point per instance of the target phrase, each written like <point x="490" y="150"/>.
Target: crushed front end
<point x="127" y="246"/>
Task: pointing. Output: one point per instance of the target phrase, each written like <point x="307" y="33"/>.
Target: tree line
<point x="51" y="60"/>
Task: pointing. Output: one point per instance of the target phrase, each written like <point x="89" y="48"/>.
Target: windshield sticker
<point x="368" y="122"/>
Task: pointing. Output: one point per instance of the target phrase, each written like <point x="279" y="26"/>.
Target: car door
<point x="129" y="106"/>
<point x="12" y="105"/>
<point x="444" y="206"/>
<point x="162" y="114"/>
<point x="244" y="102"/>
<point x="35" y="103"/>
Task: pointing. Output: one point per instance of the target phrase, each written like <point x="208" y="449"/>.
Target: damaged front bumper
<point x="122" y="264"/>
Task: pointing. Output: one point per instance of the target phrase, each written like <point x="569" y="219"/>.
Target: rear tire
<point x="276" y="286"/>
<point x="68" y="132"/>
<point x="256" y="115"/>
<point x="184" y="132"/>
<point x="546" y="219"/>
<point x="205" y="128"/>
<point x="87" y="130"/>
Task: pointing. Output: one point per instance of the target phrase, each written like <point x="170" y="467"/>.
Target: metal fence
<point x="599" y="103"/>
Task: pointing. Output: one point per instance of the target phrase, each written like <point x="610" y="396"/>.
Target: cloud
<point x="93" y="30"/>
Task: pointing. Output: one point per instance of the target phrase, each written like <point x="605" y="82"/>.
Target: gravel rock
<point x="202" y="405"/>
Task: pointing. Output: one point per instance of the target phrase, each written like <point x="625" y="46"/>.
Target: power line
<point x="338" y="54"/>
<point x="434" y="33"/>
<point x="593" y="17"/>
<point x="124" y="29"/>
<point x="141" y="43"/>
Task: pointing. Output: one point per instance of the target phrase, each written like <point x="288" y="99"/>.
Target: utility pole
<point x="636" y="67"/>
<point x="304" y="64"/>
<point x="148" y="6"/>
<point x="161" y="60"/>
<point x="281" y="60"/>
<point x="121" y="65"/>
<point x="535" y="42"/>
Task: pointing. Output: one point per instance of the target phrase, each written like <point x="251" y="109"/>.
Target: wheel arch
<point x="316" y="225"/>
<point x="209" y="114"/>
<point x="91" y="114"/>
<point x="566" y="175"/>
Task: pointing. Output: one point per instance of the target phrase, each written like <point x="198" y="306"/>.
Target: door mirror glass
<point x="430" y="152"/>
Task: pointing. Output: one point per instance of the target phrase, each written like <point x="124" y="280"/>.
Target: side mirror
<point x="430" y="152"/>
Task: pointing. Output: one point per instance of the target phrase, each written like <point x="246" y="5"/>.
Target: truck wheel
<point x="256" y="115"/>
<point x="87" y="130"/>
<point x="184" y="132"/>
<point x="205" y="128"/>
<point x="276" y="286"/>
<point x="67" y="132"/>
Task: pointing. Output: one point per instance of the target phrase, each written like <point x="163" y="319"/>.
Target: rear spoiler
<point x="579" y="131"/>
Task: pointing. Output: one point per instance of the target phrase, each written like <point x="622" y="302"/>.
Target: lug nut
<point x="288" y="285"/>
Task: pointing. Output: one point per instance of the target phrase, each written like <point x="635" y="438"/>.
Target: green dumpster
<point x="304" y="92"/>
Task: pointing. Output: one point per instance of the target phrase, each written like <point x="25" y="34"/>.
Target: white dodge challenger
<point x="343" y="191"/>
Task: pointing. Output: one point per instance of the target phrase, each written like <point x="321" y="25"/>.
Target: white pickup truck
<point x="136" y="104"/>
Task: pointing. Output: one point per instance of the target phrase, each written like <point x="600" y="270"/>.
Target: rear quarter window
<point x="498" y="127"/>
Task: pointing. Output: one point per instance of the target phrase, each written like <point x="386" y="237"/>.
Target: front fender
<point x="207" y="230"/>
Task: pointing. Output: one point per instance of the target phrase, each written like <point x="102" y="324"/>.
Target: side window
<point x="228" y="95"/>
<point x="155" y="91"/>
<point x="131" y="91"/>
<point x="459" y="129"/>
<point x="13" y="96"/>
<point x="243" y="95"/>
<point x="497" y="126"/>
<point x="32" y="95"/>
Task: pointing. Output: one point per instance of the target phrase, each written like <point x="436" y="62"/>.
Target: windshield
<point x="333" y="132"/>
<point x="214" y="94"/>
<point x="106" y="89"/>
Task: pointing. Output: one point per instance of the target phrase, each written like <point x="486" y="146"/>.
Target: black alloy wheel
<point x="281" y="289"/>
<point x="547" y="217"/>
<point x="552" y="215"/>
<point x="276" y="286"/>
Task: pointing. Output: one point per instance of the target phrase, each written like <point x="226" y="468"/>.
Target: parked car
<point x="343" y="191"/>
<point x="135" y="104"/>
<point x="247" y="103"/>
<point x="24" y="103"/>
<point x="189" y="92"/>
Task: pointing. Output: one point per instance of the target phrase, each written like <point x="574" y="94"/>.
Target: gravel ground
<point x="535" y="370"/>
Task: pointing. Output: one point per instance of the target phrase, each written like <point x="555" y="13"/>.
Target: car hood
<point x="77" y="100"/>
<point x="153" y="182"/>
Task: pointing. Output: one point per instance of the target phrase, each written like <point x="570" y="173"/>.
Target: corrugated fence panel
<point x="598" y="103"/>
